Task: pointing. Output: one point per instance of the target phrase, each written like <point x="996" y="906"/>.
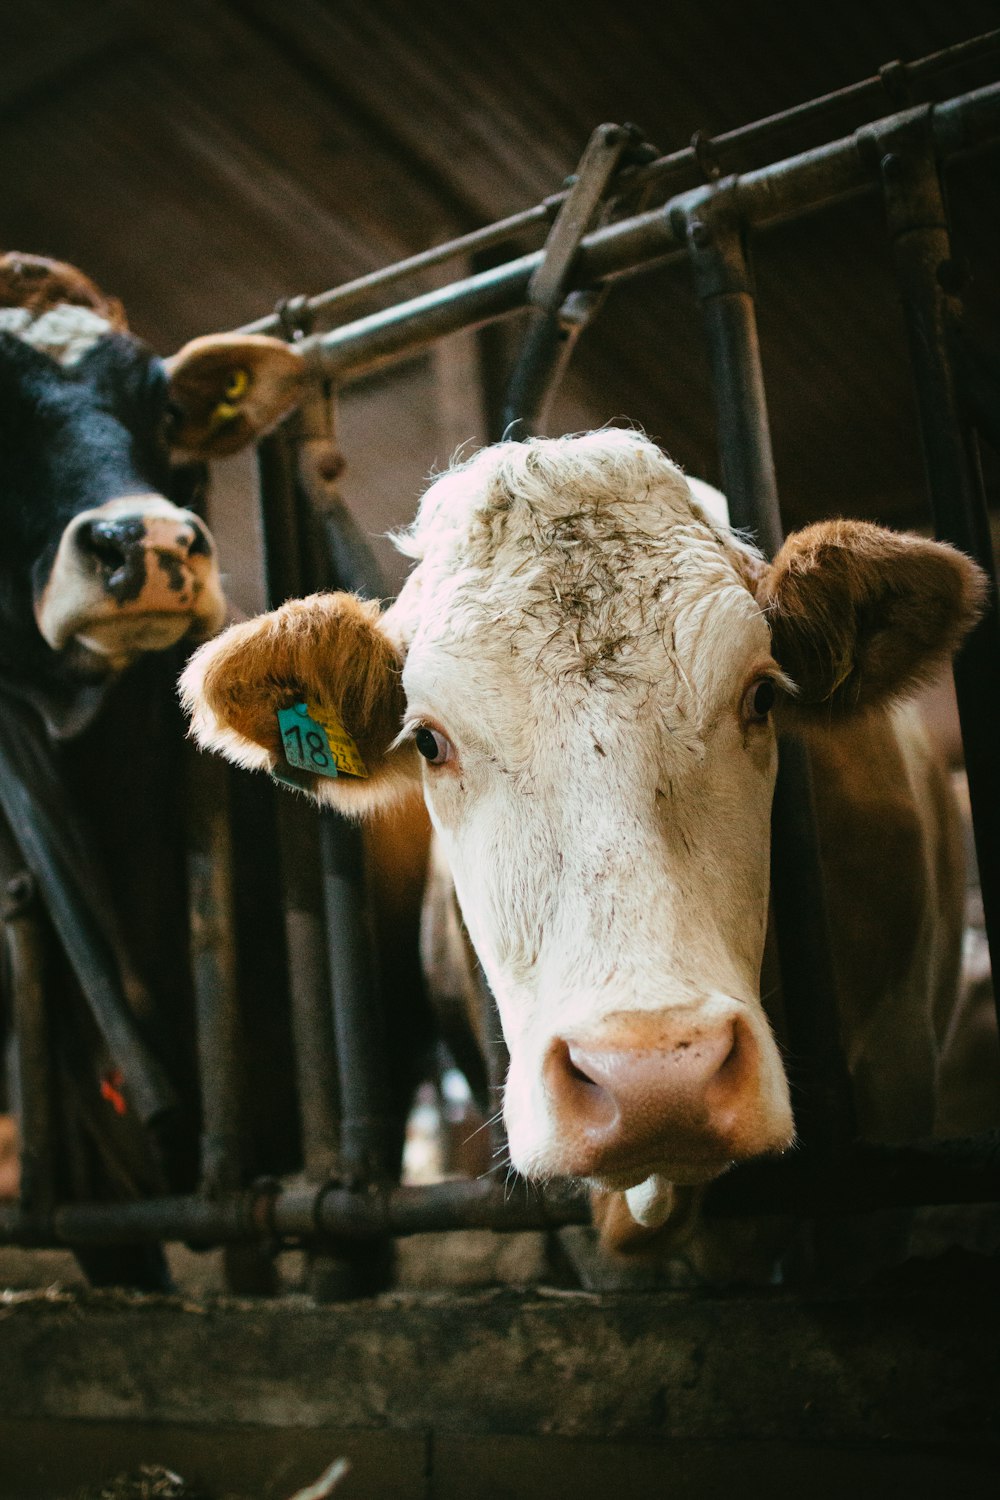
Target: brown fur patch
<point x="860" y="615"/>
<point x="10" y="1172"/>
<point x="229" y="388"/>
<point x="327" y="648"/>
<point x="38" y="284"/>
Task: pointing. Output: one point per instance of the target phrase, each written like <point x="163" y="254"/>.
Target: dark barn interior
<point x="206" y="162"/>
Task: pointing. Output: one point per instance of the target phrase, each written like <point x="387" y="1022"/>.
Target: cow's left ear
<point x="229" y="388"/>
<point x="860" y="615"/>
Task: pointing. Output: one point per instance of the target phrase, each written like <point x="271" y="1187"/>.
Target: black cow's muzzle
<point x="133" y="575"/>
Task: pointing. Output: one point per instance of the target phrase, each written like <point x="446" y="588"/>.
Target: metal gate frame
<point x="347" y="1199"/>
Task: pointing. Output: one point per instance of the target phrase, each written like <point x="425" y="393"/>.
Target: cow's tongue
<point x="650" y="1202"/>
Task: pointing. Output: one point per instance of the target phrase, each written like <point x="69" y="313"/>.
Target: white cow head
<point x="584" y="671"/>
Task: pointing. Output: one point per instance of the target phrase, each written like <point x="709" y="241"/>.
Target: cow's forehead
<point x="591" y="580"/>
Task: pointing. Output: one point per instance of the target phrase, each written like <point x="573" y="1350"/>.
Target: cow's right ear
<point x="329" y="652"/>
<point x="227" y="389"/>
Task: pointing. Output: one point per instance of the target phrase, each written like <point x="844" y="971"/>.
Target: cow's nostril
<point x="576" y="1091"/>
<point x="103" y="541"/>
<point x="577" y="1073"/>
<point x="199" y="545"/>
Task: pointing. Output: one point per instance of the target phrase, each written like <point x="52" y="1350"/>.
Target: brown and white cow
<point x="585" y="674"/>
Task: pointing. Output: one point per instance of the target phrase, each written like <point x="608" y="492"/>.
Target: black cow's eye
<point x="759" y="699"/>
<point x="433" y="746"/>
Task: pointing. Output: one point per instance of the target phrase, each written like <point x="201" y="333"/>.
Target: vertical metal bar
<point x="548" y="345"/>
<point x="25" y="956"/>
<point x="299" y="841"/>
<point x="370" y="1135"/>
<point x="555" y="320"/>
<point x="283" y="562"/>
<point x="928" y="281"/>
<point x="370" y="1126"/>
<point x="723" y="284"/>
<point x="299" y="849"/>
<point x="213" y="966"/>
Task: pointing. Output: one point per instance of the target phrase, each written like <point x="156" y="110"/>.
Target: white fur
<point x="65" y="332"/>
<point x="583" y="635"/>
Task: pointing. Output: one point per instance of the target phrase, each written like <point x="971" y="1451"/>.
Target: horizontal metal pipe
<point x="786" y="189"/>
<point x="341" y="297"/>
<point x="300" y="1213"/>
<point x="864" y="1178"/>
<point x="726" y="151"/>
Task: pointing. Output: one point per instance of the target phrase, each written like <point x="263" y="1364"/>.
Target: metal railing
<point x="346" y="1198"/>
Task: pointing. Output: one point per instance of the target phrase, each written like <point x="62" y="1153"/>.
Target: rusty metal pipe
<point x="787" y="189"/>
<point x="865" y="1178"/>
<point x="728" y="150"/>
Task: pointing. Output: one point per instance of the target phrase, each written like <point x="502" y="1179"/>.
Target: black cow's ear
<point x="229" y="388"/>
<point x="860" y="615"/>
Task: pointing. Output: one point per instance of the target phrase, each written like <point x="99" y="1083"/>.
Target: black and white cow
<point x="107" y="574"/>
<point x="102" y="559"/>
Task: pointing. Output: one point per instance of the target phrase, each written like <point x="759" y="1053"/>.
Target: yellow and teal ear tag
<point x="315" y="744"/>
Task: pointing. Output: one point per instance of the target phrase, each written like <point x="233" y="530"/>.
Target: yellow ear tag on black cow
<point x="316" y="742"/>
<point x="236" y="389"/>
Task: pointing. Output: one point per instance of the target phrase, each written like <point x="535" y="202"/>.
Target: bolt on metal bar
<point x="891" y="84"/>
<point x="768" y="195"/>
<point x="723" y="285"/>
<point x="926" y="276"/>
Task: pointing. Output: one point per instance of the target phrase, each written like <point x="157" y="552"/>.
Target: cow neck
<point x="66" y="709"/>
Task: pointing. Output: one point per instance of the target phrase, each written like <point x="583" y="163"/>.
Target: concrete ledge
<point x="912" y="1367"/>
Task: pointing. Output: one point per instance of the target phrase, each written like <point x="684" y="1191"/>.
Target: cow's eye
<point x="758" y="700"/>
<point x="433" y="746"/>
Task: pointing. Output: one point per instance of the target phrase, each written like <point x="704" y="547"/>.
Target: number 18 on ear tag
<point x="315" y="741"/>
